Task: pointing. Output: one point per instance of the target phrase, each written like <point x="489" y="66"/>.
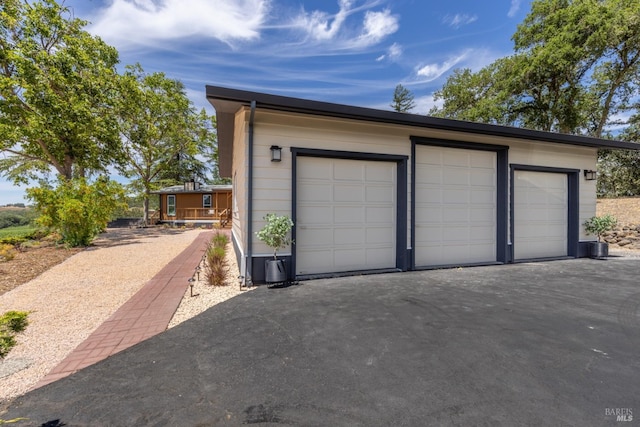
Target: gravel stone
<point x="70" y="300"/>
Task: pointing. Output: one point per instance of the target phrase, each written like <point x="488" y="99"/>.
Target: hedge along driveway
<point x="541" y="343"/>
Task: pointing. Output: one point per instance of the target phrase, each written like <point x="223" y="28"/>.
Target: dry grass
<point x="626" y="210"/>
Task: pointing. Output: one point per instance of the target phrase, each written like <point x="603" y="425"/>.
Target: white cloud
<point x="458" y="20"/>
<point x="377" y="25"/>
<point x="515" y="7"/>
<point x="324" y="27"/>
<point x="393" y="53"/>
<point x="146" y="21"/>
<point x="430" y="72"/>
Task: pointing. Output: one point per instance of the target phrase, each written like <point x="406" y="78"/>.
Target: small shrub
<point x="598" y="225"/>
<point x="7" y="252"/>
<point x="215" y="265"/>
<point x="11" y="323"/>
<point x="275" y="232"/>
<point x="220" y="240"/>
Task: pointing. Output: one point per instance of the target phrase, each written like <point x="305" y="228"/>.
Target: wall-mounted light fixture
<point x="276" y="153"/>
<point x="589" y="175"/>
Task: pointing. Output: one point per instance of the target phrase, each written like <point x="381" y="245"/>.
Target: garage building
<point x="379" y="191"/>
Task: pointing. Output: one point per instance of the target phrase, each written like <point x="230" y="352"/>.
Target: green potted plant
<point x="275" y="234"/>
<point x="598" y="225"/>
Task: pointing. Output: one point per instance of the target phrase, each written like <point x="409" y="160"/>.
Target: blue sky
<point x="345" y="51"/>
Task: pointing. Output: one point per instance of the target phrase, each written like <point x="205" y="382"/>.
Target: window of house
<point x="206" y="200"/>
<point x="171" y="205"/>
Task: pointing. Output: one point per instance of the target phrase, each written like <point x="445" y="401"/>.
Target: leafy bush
<point x="275" y="232"/>
<point x="11" y="324"/>
<point x="215" y="262"/>
<point x="7" y="252"/>
<point x="12" y="219"/>
<point x="79" y="211"/>
<point x="599" y="225"/>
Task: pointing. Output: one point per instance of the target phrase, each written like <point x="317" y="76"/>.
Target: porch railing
<point x="201" y="214"/>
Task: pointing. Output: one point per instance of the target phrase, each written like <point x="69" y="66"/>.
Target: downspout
<point x="248" y="260"/>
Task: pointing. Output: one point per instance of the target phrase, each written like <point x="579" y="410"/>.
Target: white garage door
<point x="455" y="217"/>
<point x="540" y="214"/>
<point x="346" y="215"/>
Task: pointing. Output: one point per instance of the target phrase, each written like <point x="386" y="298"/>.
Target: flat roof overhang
<point x="228" y="101"/>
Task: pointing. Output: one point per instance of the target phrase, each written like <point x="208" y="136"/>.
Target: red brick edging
<point x="146" y="314"/>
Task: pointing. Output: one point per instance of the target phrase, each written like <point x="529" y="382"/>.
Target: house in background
<point x="376" y="191"/>
<point x="194" y="203"/>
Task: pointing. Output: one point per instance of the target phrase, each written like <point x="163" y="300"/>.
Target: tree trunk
<point x="145" y="203"/>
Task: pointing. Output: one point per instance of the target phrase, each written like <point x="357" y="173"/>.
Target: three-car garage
<point x="372" y="190"/>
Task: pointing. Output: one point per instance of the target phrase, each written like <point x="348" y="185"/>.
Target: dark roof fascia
<point x="181" y="190"/>
<point x="230" y="100"/>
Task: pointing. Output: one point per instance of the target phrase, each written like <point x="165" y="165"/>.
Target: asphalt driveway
<point x="554" y="343"/>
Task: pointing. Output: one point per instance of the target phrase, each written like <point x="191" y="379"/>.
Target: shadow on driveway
<point x="541" y="344"/>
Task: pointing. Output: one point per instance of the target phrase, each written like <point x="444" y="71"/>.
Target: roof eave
<point x="226" y="100"/>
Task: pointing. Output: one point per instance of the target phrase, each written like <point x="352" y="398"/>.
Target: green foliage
<point x="619" y="170"/>
<point x="12" y="219"/>
<point x="275" y="232"/>
<point x="11" y="324"/>
<point x="219" y="240"/>
<point x="56" y="93"/>
<point x="161" y="132"/>
<point x="576" y="65"/>
<point x="403" y="100"/>
<point x="215" y="262"/>
<point x="599" y="225"/>
<point x="17" y="235"/>
<point x="78" y="210"/>
<point x="16" y="217"/>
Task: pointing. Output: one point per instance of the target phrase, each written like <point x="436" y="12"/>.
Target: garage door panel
<point x="429" y="175"/>
<point x="315" y="192"/>
<point x="483" y="177"/>
<point x="455" y="158"/>
<point x="540" y="214"/>
<point x="318" y="236"/>
<point x="379" y="193"/>
<point x="320" y="259"/>
<point x="348" y="193"/>
<point x="359" y="217"/>
<point x="315" y="171"/>
<point x="378" y="235"/>
<point x="483" y="234"/>
<point x="314" y="214"/>
<point x="346" y="259"/>
<point x="348" y="170"/>
<point x="483" y="161"/>
<point x="428" y="214"/>
<point x="378" y="256"/>
<point x="345" y="236"/>
<point x="455" y="217"/>
<point x="377" y="214"/>
<point x="455" y="176"/>
<point x="379" y="173"/>
<point x="427" y="234"/>
<point x="346" y="215"/>
<point x="431" y="194"/>
<point x="457" y="195"/>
